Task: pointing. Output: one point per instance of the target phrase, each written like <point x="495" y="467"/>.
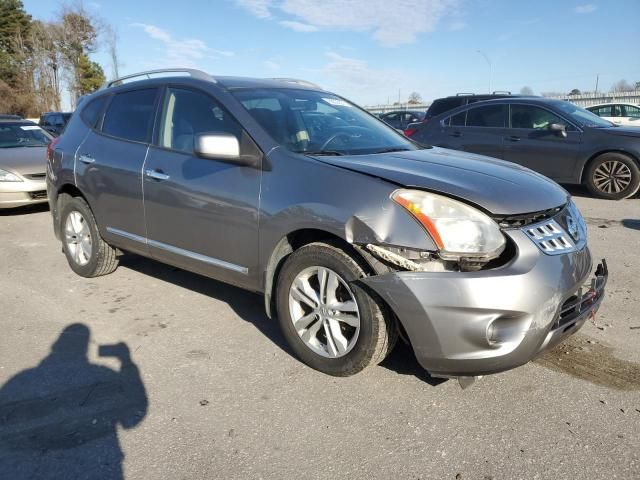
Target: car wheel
<point x="331" y="322"/>
<point x="613" y="176"/>
<point x="87" y="253"/>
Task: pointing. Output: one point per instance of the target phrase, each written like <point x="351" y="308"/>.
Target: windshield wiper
<point x="324" y="152"/>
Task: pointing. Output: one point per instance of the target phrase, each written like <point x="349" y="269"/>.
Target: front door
<point x="530" y="143"/>
<point x="201" y="214"/>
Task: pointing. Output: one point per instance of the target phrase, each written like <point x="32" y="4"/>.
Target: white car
<point x="625" y="114"/>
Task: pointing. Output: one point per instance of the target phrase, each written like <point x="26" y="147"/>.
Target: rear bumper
<point x="18" y="194"/>
<point x="478" y="323"/>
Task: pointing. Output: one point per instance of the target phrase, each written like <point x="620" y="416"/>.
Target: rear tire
<point x="613" y="176"/>
<point x="349" y="328"/>
<point x="87" y="253"/>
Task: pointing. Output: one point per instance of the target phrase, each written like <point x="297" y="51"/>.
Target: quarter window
<point x="187" y="113"/>
<point x="91" y="113"/>
<point x="487" y="116"/>
<point x="130" y="115"/>
<point x="533" y="118"/>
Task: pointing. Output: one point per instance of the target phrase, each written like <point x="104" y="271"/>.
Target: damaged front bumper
<point x="483" y="322"/>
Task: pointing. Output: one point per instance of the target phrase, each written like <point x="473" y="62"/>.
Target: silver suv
<point x="354" y="234"/>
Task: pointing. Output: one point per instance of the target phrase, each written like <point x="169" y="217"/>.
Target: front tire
<point x="331" y="322"/>
<point x="87" y="253"/>
<point x="613" y="176"/>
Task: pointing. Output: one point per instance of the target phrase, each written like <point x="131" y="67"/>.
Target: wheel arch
<point x="58" y="203"/>
<point x="593" y="158"/>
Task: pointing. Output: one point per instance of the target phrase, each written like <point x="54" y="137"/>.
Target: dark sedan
<point x="556" y="138"/>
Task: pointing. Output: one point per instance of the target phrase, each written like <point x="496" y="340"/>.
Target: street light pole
<point x="486" y="57"/>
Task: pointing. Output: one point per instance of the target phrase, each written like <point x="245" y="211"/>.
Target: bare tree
<point x="111" y="39"/>
<point x="526" y="91"/>
<point x="575" y="91"/>
<point x="415" y="98"/>
<point x="622" y="86"/>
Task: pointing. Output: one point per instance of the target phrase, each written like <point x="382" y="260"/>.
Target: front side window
<point x="631" y="111"/>
<point x="14" y="135"/>
<point x="187" y="113"/>
<point x="533" y="118"/>
<point x="487" y="116"/>
<point x="130" y="115"/>
<point x="581" y="116"/>
<point x="314" y="122"/>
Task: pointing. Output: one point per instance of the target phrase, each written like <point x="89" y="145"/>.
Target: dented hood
<point x="500" y="187"/>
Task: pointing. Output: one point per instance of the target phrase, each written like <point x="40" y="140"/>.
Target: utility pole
<point x="486" y="57"/>
<point x="597" y="79"/>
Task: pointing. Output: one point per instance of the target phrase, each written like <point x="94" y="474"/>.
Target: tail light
<point x="51" y="147"/>
<point x="409" y="131"/>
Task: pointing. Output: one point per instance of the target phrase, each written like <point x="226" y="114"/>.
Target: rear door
<point x="529" y="142"/>
<point x="479" y="129"/>
<point x="631" y="115"/>
<point x="201" y="214"/>
<point x="109" y="166"/>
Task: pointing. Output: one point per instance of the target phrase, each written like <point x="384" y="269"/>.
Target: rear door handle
<point x="156" y="174"/>
<point x="86" y="158"/>
<point x="455" y="134"/>
<point x="512" y="138"/>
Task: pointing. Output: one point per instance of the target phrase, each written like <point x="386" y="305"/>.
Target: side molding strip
<point x="180" y="251"/>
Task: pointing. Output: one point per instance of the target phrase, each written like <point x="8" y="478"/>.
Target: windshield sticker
<point x="30" y="127"/>
<point x="336" y="102"/>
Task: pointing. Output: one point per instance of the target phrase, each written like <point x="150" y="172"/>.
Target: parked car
<point x="556" y="138"/>
<point x="5" y="116"/>
<point x="625" y="114"/>
<point x="442" y="105"/>
<point x="23" y="146"/>
<point x="401" y="118"/>
<point x="350" y="231"/>
<point x="54" y="122"/>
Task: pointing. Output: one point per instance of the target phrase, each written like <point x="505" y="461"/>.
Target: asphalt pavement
<point x="156" y="373"/>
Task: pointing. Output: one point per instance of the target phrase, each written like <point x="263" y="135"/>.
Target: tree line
<point x="39" y="59"/>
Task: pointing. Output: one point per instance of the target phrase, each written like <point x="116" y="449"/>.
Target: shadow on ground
<point x="60" y="419"/>
<point x="26" y="210"/>
<point x="250" y="308"/>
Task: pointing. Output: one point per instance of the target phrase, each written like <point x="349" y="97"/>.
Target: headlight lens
<point x="459" y="231"/>
<point x="8" y="176"/>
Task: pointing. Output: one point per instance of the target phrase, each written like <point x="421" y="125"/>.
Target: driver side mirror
<point x="224" y="147"/>
<point x="558" y="130"/>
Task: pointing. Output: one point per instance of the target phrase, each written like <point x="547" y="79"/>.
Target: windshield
<point x="319" y="123"/>
<point x="583" y="117"/>
<point x="14" y="135"/>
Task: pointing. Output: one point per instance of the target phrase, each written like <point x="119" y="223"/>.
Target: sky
<point x="379" y="51"/>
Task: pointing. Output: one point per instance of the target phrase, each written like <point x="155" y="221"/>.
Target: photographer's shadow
<point x="60" y="418"/>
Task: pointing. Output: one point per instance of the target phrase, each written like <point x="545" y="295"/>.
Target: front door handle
<point x="455" y="134"/>
<point x="86" y="158"/>
<point x="513" y="138"/>
<point x="156" y="174"/>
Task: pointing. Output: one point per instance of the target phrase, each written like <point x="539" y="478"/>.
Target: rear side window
<point x="93" y="111"/>
<point x="603" y="111"/>
<point x="458" y="120"/>
<point x="487" y="116"/>
<point x="444" y="105"/>
<point x="130" y="115"/>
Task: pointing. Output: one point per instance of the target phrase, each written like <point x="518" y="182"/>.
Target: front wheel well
<point x="599" y="154"/>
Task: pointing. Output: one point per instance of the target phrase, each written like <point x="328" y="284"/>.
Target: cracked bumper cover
<point x="483" y="322"/>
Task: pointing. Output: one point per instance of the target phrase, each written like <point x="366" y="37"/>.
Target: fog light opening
<point x="503" y="330"/>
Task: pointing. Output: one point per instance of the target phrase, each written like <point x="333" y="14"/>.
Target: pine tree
<point x="90" y="75"/>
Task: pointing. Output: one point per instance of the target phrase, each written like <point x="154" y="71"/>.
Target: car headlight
<point x="8" y="176"/>
<point x="458" y="230"/>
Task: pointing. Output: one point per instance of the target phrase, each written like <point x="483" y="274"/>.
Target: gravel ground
<point x="210" y="390"/>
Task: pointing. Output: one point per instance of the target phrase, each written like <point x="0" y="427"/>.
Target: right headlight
<point x="8" y="176"/>
<point x="458" y="230"/>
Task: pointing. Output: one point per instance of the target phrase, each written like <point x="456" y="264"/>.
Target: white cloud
<point x="259" y="8"/>
<point x="184" y="52"/>
<point x="587" y="8"/>
<point x="271" y="65"/>
<point x="455" y="26"/>
<point x="391" y="23"/>
<point x="298" y="26"/>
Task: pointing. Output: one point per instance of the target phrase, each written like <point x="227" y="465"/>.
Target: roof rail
<point x="199" y="74"/>
<point x="300" y="82"/>
<point x="501" y="92"/>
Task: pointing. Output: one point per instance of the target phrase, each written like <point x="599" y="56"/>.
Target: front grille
<point x="518" y="221"/>
<point x="35" y="176"/>
<point x="38" y="195"/>
<point x="550" y="237"/>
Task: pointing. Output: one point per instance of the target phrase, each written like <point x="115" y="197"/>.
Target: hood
<point x="500" y="187"/>
<point x="24" y="160"/>
<point x="621" y="131"/>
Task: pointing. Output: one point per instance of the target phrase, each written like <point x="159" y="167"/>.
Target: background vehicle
<point x="442" y="105"/>
<point x="625" y="114"/>
<point x="401" y="118"/>
<point x="23" y="147"/>
<point x="54" y="122"/>
<point x="4" y="116"/>
<point x="553" y="137"/>
<point x="279" y="187"/>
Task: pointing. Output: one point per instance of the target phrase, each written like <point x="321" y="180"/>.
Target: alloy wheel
<point x="324" y="312"/>
<point x="612" y="177"/>
<point x="78" y="238"/>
